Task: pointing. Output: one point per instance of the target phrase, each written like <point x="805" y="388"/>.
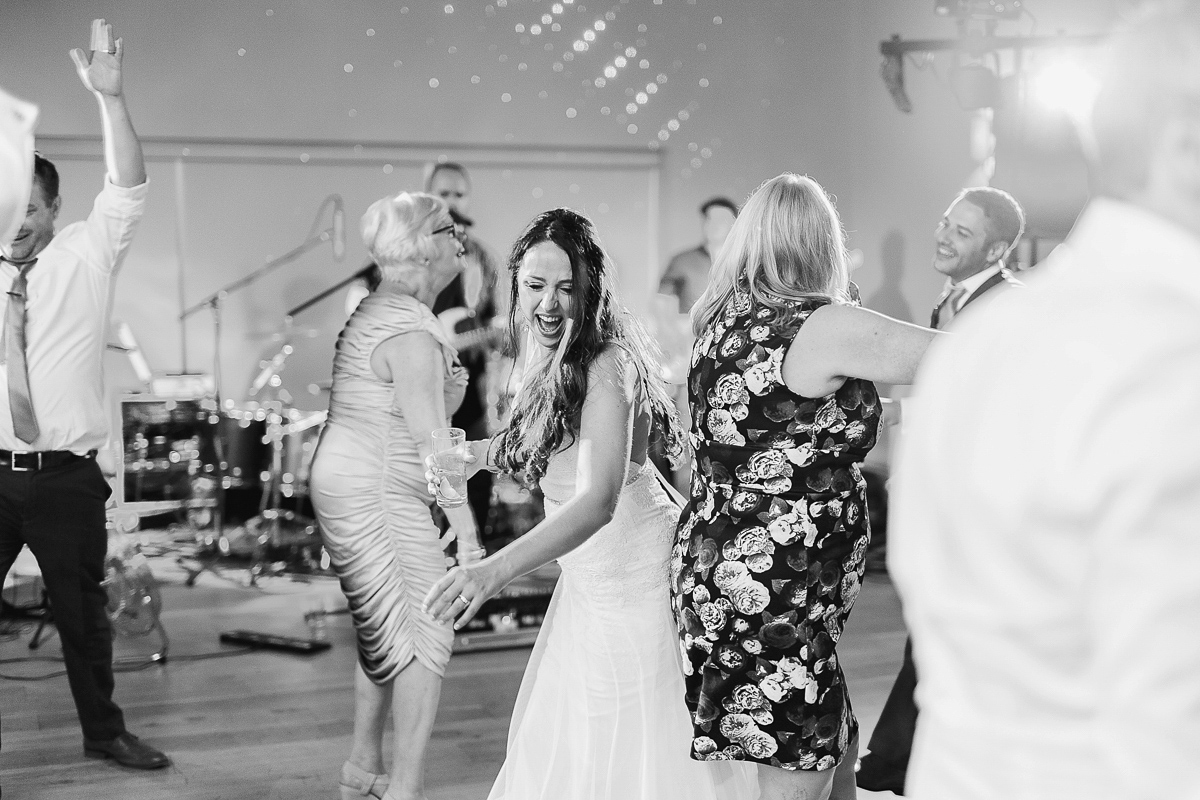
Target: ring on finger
<point x="464" y="600"/>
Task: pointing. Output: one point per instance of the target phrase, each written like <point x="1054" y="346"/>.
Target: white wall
<point x="792" y="85"/>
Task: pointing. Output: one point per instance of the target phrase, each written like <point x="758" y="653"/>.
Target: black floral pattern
<point x="768" y="556"/>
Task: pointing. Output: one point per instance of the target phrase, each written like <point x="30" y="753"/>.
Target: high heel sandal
<point x="357" y="783"/>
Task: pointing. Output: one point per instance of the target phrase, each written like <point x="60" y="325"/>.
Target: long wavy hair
<point x="546" y="415"/>
<point x="786" y="244"/>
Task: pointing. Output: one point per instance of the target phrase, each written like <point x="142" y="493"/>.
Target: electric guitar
<point x="475" y="336"/>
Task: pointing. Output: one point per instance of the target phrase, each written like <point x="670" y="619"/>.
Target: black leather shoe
<point x="875" y="775"/>
<point x="128" y="751"/>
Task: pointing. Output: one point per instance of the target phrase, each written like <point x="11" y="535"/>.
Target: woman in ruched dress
<point x="769" y="552"/>
<point x="598" y="715"/>
<point x="396" y="378"/>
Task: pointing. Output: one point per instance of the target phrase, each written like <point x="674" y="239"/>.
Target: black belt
<point x="39" y="460"/>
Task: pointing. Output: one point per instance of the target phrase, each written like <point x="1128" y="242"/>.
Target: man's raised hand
<point x="100" y="70"/>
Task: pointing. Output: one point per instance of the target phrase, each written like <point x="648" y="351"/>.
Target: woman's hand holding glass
<point x="474" y="457"/>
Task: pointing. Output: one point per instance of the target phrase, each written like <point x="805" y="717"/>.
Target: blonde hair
<point x="397" y="232"/>
<point x="786" y="244"/>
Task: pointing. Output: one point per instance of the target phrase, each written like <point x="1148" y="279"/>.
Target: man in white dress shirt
<point x="52" y="414"/>
<point x="1045" y="535"/>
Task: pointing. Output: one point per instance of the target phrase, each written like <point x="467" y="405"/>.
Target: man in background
<point x="974" y="238"/>
<point x="687" y="272"/>
<point x="468" y="307"/>
<point x="1044" y="533"/>
<point x="52" y="493"/>
<point x="681" y="285"/>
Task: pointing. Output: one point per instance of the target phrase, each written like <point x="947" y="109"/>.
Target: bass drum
<point x="243" y="447"/>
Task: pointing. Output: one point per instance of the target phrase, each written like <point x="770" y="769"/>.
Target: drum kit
<point x="194" y="453"/>
<point x="208" y="460"/>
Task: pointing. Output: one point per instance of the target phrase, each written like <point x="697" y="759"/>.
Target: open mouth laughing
<point x="549" y="325"/>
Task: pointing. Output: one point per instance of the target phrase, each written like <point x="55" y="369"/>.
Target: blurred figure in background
<point x="467" y="308"/>
<point x="682" y="284"/>
<point x="687" y="273"/>
<point x="1044" y="533"/>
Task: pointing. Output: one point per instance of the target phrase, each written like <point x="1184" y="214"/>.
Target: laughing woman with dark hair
<point x="599" y="712"/>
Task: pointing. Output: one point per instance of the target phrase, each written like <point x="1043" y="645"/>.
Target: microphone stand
<point x="213" y="302"/>
<point x="312" y="301"/>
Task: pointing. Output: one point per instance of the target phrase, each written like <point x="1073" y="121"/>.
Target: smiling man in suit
<point x="974" y="238"/>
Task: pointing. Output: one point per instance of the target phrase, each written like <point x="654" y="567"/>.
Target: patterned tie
<point x="20" y="402"/>
<point x="947" y="307"/>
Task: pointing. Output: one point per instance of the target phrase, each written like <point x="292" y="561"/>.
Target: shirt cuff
<point x="126" y="192"/>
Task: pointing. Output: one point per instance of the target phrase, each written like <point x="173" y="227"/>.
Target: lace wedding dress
<point x="600" y="714"/>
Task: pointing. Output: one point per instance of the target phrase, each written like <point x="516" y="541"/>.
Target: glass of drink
<point x="449" y="449"/>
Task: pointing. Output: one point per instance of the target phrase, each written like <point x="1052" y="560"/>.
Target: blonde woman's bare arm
<point x="843" y="341"/>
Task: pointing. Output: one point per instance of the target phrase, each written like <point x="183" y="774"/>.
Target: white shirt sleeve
<point x="109" y="229"/>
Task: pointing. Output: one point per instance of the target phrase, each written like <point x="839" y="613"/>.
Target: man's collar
<point x="978" y="279"/>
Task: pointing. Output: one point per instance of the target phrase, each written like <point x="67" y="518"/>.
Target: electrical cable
<point x="136" y="667"/>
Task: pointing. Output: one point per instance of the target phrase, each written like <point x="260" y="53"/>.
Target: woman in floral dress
<point x="769" y="552"/>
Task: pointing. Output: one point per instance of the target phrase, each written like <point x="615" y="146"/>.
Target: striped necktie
<point x="20" y="402"/>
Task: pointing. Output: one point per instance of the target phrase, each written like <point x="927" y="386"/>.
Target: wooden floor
<point x="270" y="725"/>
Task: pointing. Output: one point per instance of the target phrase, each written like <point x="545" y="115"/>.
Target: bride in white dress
<point x="600" y="714"/>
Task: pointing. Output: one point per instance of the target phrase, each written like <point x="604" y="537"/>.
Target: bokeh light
<point x="1064" y="85"/>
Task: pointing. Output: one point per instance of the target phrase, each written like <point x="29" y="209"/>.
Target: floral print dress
<point x="768" y="556"/>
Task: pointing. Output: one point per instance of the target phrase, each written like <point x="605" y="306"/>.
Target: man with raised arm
<point x="52" y="414"/>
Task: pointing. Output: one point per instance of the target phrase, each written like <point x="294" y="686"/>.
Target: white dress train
<point x="600" y="714"/>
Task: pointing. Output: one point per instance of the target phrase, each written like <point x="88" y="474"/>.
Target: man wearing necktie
<point x="52" y="413"/>
<point x="974" y="237"/>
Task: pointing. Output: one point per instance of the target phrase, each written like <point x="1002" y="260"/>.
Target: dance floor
<point x="271" y="726"/>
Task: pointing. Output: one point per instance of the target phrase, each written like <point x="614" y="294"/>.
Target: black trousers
<point x="892" y="740"/>
<point x="59" y="513"/>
